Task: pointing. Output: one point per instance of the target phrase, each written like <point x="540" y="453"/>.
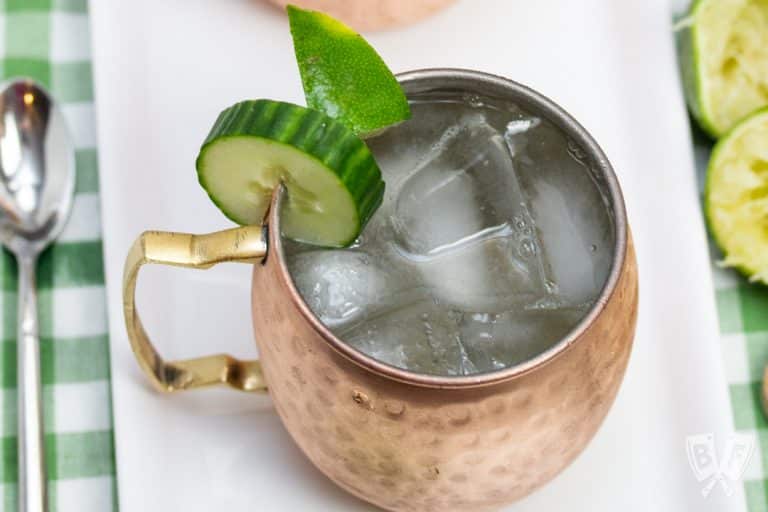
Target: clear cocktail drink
<point x="493" y="241"/>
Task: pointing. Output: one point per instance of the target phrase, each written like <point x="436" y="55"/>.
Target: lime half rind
<point x="723" y="50"/>
<point x="736" y="196"/>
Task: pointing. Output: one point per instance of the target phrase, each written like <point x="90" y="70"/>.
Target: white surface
<point x="163" y="72"/>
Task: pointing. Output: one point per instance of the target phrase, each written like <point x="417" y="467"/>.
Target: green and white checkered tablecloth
<point x="743" y="313"/>
<point x="49" y="40"/>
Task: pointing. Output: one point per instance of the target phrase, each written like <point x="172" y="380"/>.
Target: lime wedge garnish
<point x="333" y="182"/>
<point x="343" y="75"/>
<point x="724" y="55"/>
<point x="736" y="196"/>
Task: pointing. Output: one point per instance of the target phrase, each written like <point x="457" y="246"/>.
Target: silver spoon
<point x="37" y="179"/>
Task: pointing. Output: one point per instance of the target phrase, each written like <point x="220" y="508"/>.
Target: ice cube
<point x="462" y="217"/>
<point x="337" y="285"/>
<point x="343" y="287"/>
<point x="500" y="340"/>
<point x="516" y="136"/>
<point x="493" y="274"/>
<point x="417" y="336"/>
<point x="464" y="187"/>
<point x="575" y="264"/>
<point x="575" y="233"/>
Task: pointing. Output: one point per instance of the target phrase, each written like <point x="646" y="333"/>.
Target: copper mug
<point x="401" y="440"/>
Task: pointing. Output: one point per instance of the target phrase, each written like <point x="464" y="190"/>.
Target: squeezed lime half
<point x="724" y="57"/>
<point x="736" y="196"/>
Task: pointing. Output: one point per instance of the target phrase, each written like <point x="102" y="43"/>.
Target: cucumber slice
<point x="333" y="182"/>
<point x="736" y="196"/>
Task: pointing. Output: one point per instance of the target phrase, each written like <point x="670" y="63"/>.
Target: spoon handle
<point x="32" y="481"/>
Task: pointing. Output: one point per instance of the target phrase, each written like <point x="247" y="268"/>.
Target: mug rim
<point x="456" y="77"/>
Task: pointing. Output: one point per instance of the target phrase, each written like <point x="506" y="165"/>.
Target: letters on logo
<point x="709" y="468"/>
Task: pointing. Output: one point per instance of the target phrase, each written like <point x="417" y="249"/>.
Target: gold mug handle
<point x="245" y="244"/>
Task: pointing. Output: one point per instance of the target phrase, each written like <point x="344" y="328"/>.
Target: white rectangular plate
<point x="163" y="72"/>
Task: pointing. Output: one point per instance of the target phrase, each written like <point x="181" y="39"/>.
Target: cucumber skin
<point x="320" y="137"/>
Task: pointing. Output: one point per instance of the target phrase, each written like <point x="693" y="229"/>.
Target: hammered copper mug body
<point x="401" y="440"/>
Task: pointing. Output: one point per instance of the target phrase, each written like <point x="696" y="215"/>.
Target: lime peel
<point x="342" y="74"/>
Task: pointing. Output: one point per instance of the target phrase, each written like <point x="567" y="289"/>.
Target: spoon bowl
<point x="37" y="168"/>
